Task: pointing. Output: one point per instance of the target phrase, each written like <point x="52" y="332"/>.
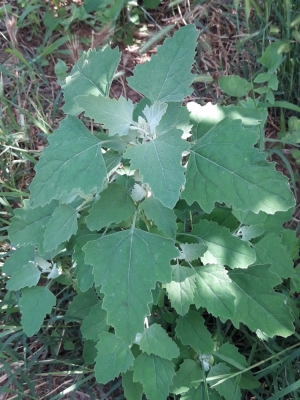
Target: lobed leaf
<point x="35" y="303"/>
<point x="176" y="117"/>
<point x="159" y="162"/>
<point x="188" y="376"/>
<point x="114" y="206"/>
<point x="113" y="358"/>
<point x="94" y="323"/>
<point x="148" y="369"/>
<point x="225" y="167"/>
<point x="181" y="288"/>
<point x="28" y="275"/>
<point x="229" y="389"/>
<point x="60" y="227"/>
<point x="28" y="224"/>
<point x="270" y="250"/>
<point x="191" y="331"/>
<point x="155" y="340"/>
<point x="17" y="258"/>
<point x="206" y="117"/>
<point x="193" y="251"/>
<point x="213" y="291"/>
<point x="166" y="77"/>
<point x="83" y="272"/>
<point x="81" y="305"/>
<point x="257" y="305"/>
<point x="115" y="115"/>
<point x="132" y="390"/>
<point x="163" y="217"/>
<point x="200" y="393"/>
<point x="128" y="264"/>
<point x="87" y="78"/>
<point x="74" y="163"/>
<point x="222" y="247"/>
<point x="229" y="354"/>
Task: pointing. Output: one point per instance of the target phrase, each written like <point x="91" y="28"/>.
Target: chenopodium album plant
<point x="167" y="214"/>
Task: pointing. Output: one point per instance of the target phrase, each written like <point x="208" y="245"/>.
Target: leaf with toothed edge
<point x="76" y="163"/>
<point x="128" y="264"/>
<point x="224" y="166"/>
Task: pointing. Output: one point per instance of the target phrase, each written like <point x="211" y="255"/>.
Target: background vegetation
<point x="39" y="43"/>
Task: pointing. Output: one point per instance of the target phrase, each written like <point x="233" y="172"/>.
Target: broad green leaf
<point x="177" y="117"/>
<point x="132" y="390"/>
<point x="223" y="216"/>
<point x="225" y="167"/>
<point x="270" y="250"/>
<point x="128" y="264"/>
<point x="81" y="305"/>
<point x="27" y="275"/>
<point x="28" y="224"/>
<point x="89" y="351"/>
<point x="113" y="358"/>
<point x="163" y="217"/>
<point x="181" y="288"/>
<point x="74" y="163"/>
<point x="295" y="280"/>
<point x="199" y="393"/>
<point x="112" y="160"/>
<point x="159" y="162"/>
<point x="60" y="227"/>
<point x="229" y="354"/>
<point x="213" y="291"/>
<point x="188" y="376"/>
<point x="234" y="85"/>
<point x="114" y="206"/>
<point x="257" y="305"/>
<point x="270" y="223"/>
<point x="293" y="134"/>
<point x="35" y="303"/>
<point x="193" y="251"/>
<point x="115" y="115"/>
<point x="155" y="340"/>
<point x="154" y="114"/>
<point x="155" y="374"/>
<point x="250" y="218"/>
<point x="261" y="78"/>
<point x="272" y="57"/>
<point x="94" y="323"/>
<point x="274" y="223"/>
<point x="92" y="74"/>
<point x="222" y="247"/>
<point x="191" y="330"/>
<point x="291" y="241"/>
<point x="111" y="142"/>
<point x="166" y="77"/>
<point x="206" y="117"/>
<point x="17" y="259"/>
<point x="83" y="272"/>
<point x="230" y="388"/>
<point x="251" y="232"/>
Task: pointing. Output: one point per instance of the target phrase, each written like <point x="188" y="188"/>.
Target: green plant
<point x="169" y="215"/>
<point x="263" y="89"/>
